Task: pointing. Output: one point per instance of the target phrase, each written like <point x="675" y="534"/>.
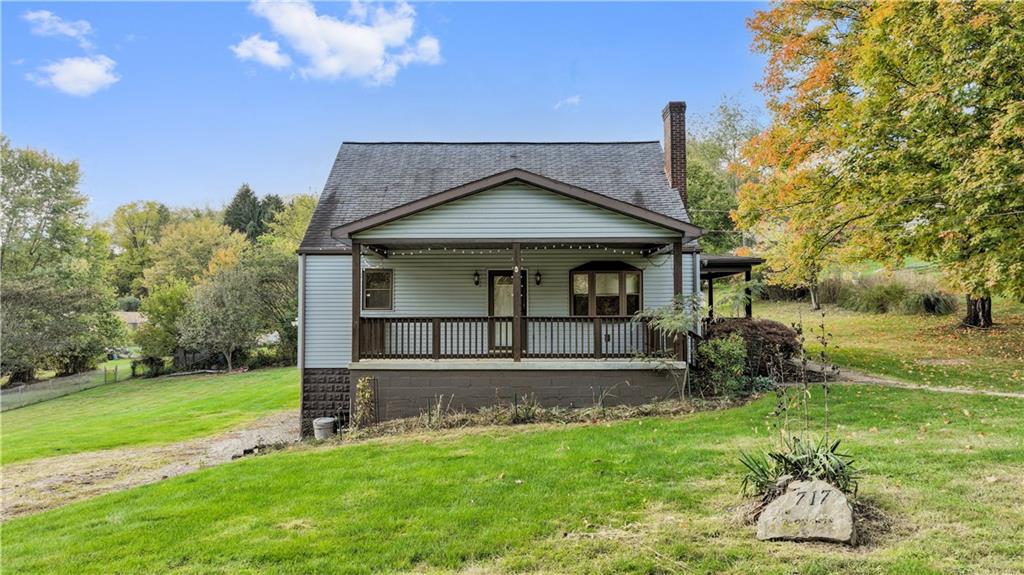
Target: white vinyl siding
<point x="516" y="211"/>
<point x="328" y="315"/>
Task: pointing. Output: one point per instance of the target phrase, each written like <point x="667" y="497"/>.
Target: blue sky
<point x="182" y="102"/>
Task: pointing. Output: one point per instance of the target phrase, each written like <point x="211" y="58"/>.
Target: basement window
<point x="378" y="289"/>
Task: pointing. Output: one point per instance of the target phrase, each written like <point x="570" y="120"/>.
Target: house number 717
<point x="801" y="495"/>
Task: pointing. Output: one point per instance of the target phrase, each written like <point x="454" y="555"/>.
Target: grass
<point x="144" y="412"/>
<point x="922" y="349"/>
<point x="642" y="496"/>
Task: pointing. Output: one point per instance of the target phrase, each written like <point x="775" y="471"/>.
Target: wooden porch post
<point x="517" y="303"/>
<point x="357" y="296"/>
<point x="677" y="290"/>
<point x="749" y="295"/>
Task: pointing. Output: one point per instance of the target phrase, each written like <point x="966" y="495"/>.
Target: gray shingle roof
<point x="372" y="177"/>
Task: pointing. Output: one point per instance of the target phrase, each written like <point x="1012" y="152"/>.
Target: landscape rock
<point x="808" y="511"/>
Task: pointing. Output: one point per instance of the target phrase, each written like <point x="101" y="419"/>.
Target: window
<point x="580" y="294"/>
<point x="378" y="287"/>
<point x="605" y="288"/>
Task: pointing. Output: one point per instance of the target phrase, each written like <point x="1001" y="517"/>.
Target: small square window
<point x="377" y="289"/>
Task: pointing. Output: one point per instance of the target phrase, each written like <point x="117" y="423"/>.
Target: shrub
<point x="902" y="293"/>
<point x="768" y="342"/>
<point x="801" y="459"/>
<point x="876" y="298"/>
<point x="262" y="357"/>
<point x="932" y="302"/>
<point x="833" y="290"/>
<point x="364" y="412"/>
<point x="128" y="303"/>
<point x="721" y="362"/>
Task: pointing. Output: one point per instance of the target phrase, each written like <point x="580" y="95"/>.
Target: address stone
<point x="808" y="511"/>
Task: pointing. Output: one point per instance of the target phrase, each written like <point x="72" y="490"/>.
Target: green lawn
<point x="641" y="496"/>
<point x="921" y="349"/>
<point x="144" y="412"/>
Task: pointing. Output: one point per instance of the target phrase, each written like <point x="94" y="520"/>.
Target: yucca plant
<point x="802" y="459"/>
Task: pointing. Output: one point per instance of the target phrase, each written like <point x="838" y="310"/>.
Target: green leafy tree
<point x="56" y="305"/>
<point x="897" y="131"/>
<point x="134" y="230"/>
<point x="286" y="230"/>
<point x="225" y="314"/>
<point x="191" y="249"/>
<point x="274" y="275"/>
<point x="163" y="308"/>
<point x="714" y="146"/>
<point x="249" y="215"/>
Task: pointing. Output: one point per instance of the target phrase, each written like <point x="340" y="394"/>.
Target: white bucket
<point x="323" y="427"/>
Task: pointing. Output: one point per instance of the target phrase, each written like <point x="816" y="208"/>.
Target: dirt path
<point x="43" y="484"/>
<point x="849" y="376"/>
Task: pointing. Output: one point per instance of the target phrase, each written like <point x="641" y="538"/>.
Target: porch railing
<point x="611" y="337"/>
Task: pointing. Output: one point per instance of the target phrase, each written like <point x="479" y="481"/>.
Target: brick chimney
<point x="674" y="116"/>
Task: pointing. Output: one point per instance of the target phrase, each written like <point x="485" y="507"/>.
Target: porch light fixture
<point x="537" y="278"/>
<point x="476" y="278"/>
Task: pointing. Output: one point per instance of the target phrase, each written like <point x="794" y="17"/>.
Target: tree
<point x="275" y="269"/>
<point x="274" y="274"/>
<point x="224" y="315"/>
<point x="248" y="215"/>
<point x="134" y="229"/>
<point x="286" y="230"/>
<point x="897" y="132"/>
<point x="56" y="306"/>
<point x="163" y="308"/>
<point x="186" y="250"/>
<point x="713" y="147"/>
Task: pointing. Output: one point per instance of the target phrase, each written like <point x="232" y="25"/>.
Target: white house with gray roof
<point x="479" y="272"/>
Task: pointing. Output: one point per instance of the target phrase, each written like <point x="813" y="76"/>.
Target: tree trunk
<point x="979" y="312"/>
<point x="22" y="375"/>
<point x="228" y="355"/>
<point x="814" y="297"/>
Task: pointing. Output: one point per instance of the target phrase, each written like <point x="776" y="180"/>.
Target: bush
<point x="721" y="362"/>
<point x="128" y="303"/>
<point x="364" y="413"/>
<point x="932" y="303"/>
<point x="833" y="291"/>
<point x="902" y="293"/>
<point x="768" y="342"/>
<point x="876" y="298"/>
<point x="801" y="459"/>
<point x="262" y="357"/>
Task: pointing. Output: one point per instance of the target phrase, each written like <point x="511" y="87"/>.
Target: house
<point x="477" y="272"/>
<point x="131" y="319"/>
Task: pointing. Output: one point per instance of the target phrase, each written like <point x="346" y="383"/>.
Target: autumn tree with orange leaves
<point x="898" y="130"/>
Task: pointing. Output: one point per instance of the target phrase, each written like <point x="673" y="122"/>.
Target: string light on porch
<point x="534" y="247"/>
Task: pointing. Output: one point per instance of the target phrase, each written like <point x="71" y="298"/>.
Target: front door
<point x="500" y="298"/>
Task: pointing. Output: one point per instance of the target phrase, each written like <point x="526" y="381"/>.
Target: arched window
<point x="605" y="288"/>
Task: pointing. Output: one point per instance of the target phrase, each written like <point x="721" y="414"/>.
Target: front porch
<point x="532" y="304"/>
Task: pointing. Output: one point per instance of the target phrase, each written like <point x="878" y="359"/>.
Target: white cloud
<point x="369" y="43"/>
<point x="46" y="23"/>
<point x="266" y="52"/>
<point x="78" y="76"/>
<point x="570" y="101"/>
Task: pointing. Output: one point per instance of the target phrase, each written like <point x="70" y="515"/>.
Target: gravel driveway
<point x="41" y="484"/>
